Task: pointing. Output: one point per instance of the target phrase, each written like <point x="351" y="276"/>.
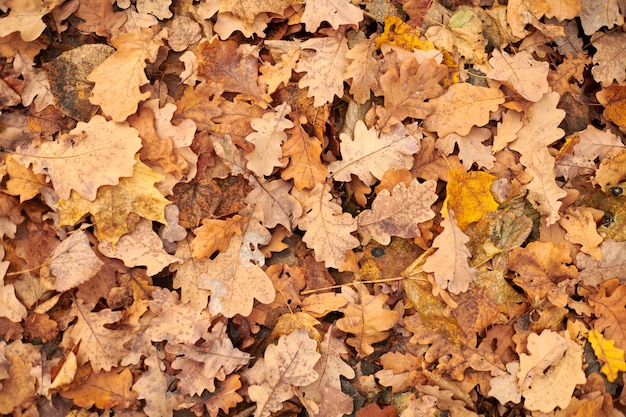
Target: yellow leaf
<point x="401" y="34"/>
<point x="606" y="351"/>
<point x="113" y="204"/>
<point x="469" y="197"/>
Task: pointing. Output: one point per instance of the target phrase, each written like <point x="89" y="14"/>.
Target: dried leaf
<point x="335" y="12"/>
<point x="74" y="262"/>
<point x="610" y="59"/>
<point x="606" y="351"/>
<point x="105" y="389"/>
<point x="521" y="72"/>
<point x="267" y="140"/>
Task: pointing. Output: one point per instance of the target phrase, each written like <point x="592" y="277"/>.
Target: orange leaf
<point x="105" y="389"/>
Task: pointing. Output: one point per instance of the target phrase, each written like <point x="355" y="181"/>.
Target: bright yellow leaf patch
<point x="606" y="351"/>
<point x="469" y="196"/>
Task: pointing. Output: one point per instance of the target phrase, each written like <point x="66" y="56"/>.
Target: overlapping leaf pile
<point x="279" y="207"/>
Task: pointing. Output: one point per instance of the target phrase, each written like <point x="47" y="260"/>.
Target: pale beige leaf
<point x="280" y="73"/>
<point x="471" y="148"/>
<point x="450" y="263"/>
<point x="186" y="278"/>
<point x="462" y="107"/>
<point x="544" y="350"/>
<point x="464" y="31"/>
<point x="36" y="88"/>
<point x="507" y="130"/>
<point x="269" y="136"/>
<point x="25" y="17"/>
<point x="275" y="202"/>
<point x="11" y="307"/>
<point x="325" y="67"/>
<point x="141" y="247"/>
<point x="74" y="262"/>
<point x="119" y="78"/>
<point x="158" y="8"/>
<point x="335" y="12"/>
<point x="369" y="156"/>
<point x="327" y="229"/>
<point x="595" y="14"/>
<point x="93" y="154"/>
<point x="318" y="305"/>
<point x="544" y="192"/>
<point x="582" y="230"/>
<point x="520" y="71"/>
<point x="153" y="387"/>
<point x="563" y="9"/>
<point x="398" y="213"/>
<point x="610" y="58"/>
<point x="595" y="143"/>
<point x="555" y="387"/>
<point x="504" y="388"/>
<point x="233" y="284"/>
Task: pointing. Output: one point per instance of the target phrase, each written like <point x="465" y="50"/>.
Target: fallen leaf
<point x="520" y="71"/>
<point x="606" y="351"/>
<point x="305" y="165"/>
<point x="335" y="12"/>
<point x="74" y="262"/>
<point x="610" y="59"/>
<point x="468" y="196"/>
<point x="267" y="139"/>
<point x="105" y="389"/>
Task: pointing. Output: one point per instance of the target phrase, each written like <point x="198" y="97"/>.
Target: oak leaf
<point x="93" y="154"/>
<point x="325" y="67"/>
<point x="214" y="235"/>
<point x="152" y="386"/>
<point x="612" y="265"/>
<point x="450" y="263"/>
<point x="611" y="313"/>
<point x="267" y="140"/>
<point x="470" y="146"/>
<point x="280" y="73"/>
<point x="369" y="156"/>
<point x="141" y="247"/>
<point x="25" y="17"/>
<point x="327" y="229"/>
<point x="305" y="166"/>
<point x="363" y="70"/>
<point x="12" y="308"/>
<point x="74" y="262"/>
<point x="234" y="281"/>
<point x="366" y="317"/>
<point x="545" y="350"/>
<point x="229" y="64"/>
<point x="521" y="72"/>
<point x="464" y="31"/>
<point x="335" y="12"/>
<point x="544" y="193"/>
<point x="23" y="181"/>
<point x="462" y="107"/>
<point x="594" y="15"/>
<point x="197" y="200"/>
<point x="247" y="10"/>
<point x="468" y="196"/>
<point x="97" y="343"/>
<point x="610" y="58"/>
<point x="186" y="277"/>
<point x="36" y="89"/>
<point x="200" y="365"/>
<point x="542" y="266"/>
<point x="581" y="229"/>
<point x="508" y="127"/>
<point x="275" y="202"/>
<point x="113" y="204"/>
<point x="397" y="213"/>
<point x="406" y="90"/>
<point x="287" y="364"/>
<point x="105" y="389"/>
<point x="224" y="398"/>
<point x="20" y="385"/>
<point x="613" y="99"/>
<point x="606" y="351"/>
<point x="119" y="78"/>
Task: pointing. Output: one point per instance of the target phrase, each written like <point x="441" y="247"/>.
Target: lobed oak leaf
<point x="595" y="143"/>
<point x="152" y="386"/>
<point x="471" y="148"/>
<point x="247" y="10"/>
<point x="325" y="67"/>
<point x="544" y="193"/>
<point x="200" y="104"/>
<point x="20" y="385"/>
<point x="406" y="90"/>
<point x="613" y="99"/>
<point x="402" y="34"/>
<point x="212" y="359"/>
<point x="363" y="70"/>
<point x="99" y="18"/>
<point x="397" y="213"/>
<point x="504" y="388"/>
<point x="267" y="140"/>
<point x="214" y="235"/>
<point x="141" y="247"/>
<point x="366" y="318"/>
<point x="305" y="166"/>
<point x="25" y="17"/>
<point x="327" y="229"/>
<point x="612" y="265"/>
<point x="464" y="31"/>
<point x="611" y="313"/>
<point x="113" y="204"/>
<point x="610" y="58"/>
<point x="594" y="15"/>
<point x="36" y="89"/>
<point x="22" y="181"/>
<point x="330" y="367"/>
<point x="521" y="72"/>
<point x="105" y="389"/>
<point x="606" y="351"/>
<point x="74" y="262"/>
<point x="450" y="263"/>
<point x="186" y="278"/>
<point x="507" y="130"/>
<point x="290" y="363"/>
<point x="97" y="343"/>
<point x="369" y="155"/>
<point x="275" y="202"/>
<point x="462" y="107"/>
<point x="93" y="154"/>
<point x="280" y="73"/>
<point x="581" y="229"/>
<point x="231" y="65"/>
<point x="545" y="350"/>
<point x="235" y="282"/>
<point x="12" y="308"/>
<point x="119" y="78"/>
<point x="335" y="12"/>
<point x="541" y="267"/>
<point x="555" y="387"/>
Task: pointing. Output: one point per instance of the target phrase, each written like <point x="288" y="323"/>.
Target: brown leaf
<point x="105" y="389"/>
